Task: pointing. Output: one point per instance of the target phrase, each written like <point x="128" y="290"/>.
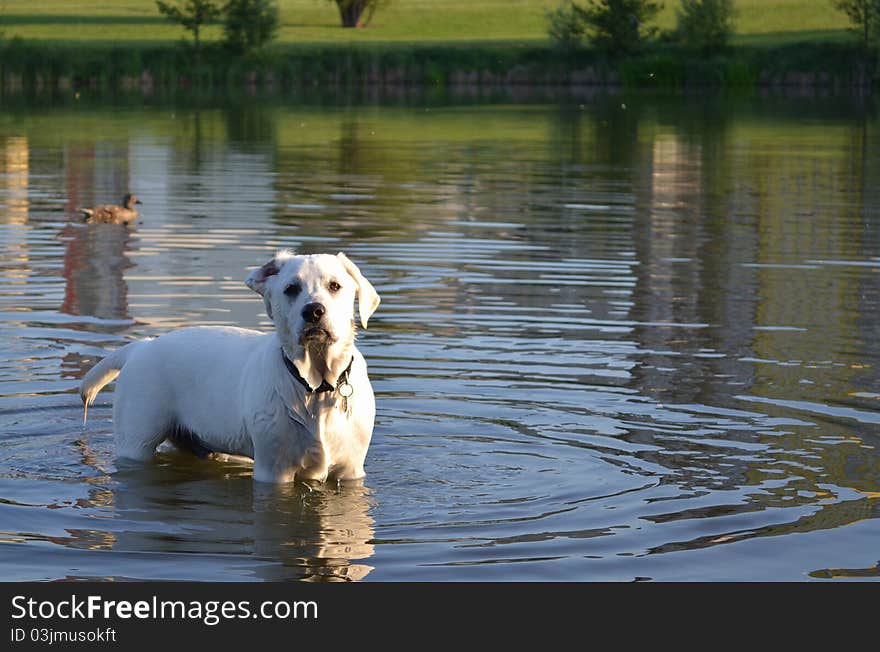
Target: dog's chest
<point x="312" y="422"/>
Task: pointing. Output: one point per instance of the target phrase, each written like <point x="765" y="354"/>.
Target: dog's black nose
<point x="313" y="312"/>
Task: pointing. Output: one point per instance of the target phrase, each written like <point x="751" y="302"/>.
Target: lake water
<point x="620" y="337"/>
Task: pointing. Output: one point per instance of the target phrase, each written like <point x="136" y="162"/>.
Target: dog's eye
<point x="333" y="286"/>
<point x="292" y="290"/>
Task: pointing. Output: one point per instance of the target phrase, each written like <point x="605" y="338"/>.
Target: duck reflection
<point x="297" y="532"/>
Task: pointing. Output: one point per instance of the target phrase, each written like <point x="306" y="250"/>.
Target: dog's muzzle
<point x="312" y="331"/>
<point x="314" y="334"/>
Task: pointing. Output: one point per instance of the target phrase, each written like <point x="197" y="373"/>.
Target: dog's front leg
<point x="286" y="452"/>
<point x="275" y="461"/>
<point x="277" y="451"/>
<point x="274" y="474"/>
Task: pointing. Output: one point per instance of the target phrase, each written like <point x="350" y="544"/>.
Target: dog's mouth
<point x="315" y="335"/>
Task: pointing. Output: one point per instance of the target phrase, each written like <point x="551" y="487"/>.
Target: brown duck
<point x="112" y="214"/>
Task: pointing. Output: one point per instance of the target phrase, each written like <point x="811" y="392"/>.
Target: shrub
<point x="616" y="26"/>
<point x="864" y="14"/>
<point x="249" y="24"/>
<point x="705" y="25"/>
<point x="565" y="26"/>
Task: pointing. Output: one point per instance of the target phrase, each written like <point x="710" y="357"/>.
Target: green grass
<point x="71" y="43"/>
<point x="760" y="22"/>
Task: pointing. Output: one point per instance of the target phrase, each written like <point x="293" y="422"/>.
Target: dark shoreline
<point x="809" y="65"/>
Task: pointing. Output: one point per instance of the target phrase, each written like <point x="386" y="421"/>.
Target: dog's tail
<point x="101" y="374"/>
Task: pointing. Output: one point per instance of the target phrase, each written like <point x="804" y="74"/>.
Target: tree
<point x="705" y="25"/>
<point x="357" y="13"/>
<point x="249" y="24"/>
<point x="616" y="26"/>
<point x="865" y="14"/>
<point x="192" y="15"/>
<point x="565" y="26"/>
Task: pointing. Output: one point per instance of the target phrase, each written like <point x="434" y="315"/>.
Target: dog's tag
<point x="345" y="391"/>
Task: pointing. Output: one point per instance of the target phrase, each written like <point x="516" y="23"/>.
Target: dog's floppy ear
<point x="256" y="280"/>
<point x="368" y="299"/>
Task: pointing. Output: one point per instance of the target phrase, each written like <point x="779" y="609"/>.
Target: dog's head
<point x="310" y="299"/>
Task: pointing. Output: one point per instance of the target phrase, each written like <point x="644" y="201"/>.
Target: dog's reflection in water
<point x="177" y="505"/>
<point x="326" y="532"/>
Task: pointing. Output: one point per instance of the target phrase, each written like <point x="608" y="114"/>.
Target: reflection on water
<point x="276" y="533"/>
<point x="192" y="521"/>
<point x="635" y="337"/>
<point x="95" y="261"/>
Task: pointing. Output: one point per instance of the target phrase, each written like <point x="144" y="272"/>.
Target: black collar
<point x="324" y="386"/>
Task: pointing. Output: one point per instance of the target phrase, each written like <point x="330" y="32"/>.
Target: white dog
<point x="298" y="401"/>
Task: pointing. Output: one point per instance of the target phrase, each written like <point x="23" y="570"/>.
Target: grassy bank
<point x="766" y="22"/>
<point x="59" y="44"/>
